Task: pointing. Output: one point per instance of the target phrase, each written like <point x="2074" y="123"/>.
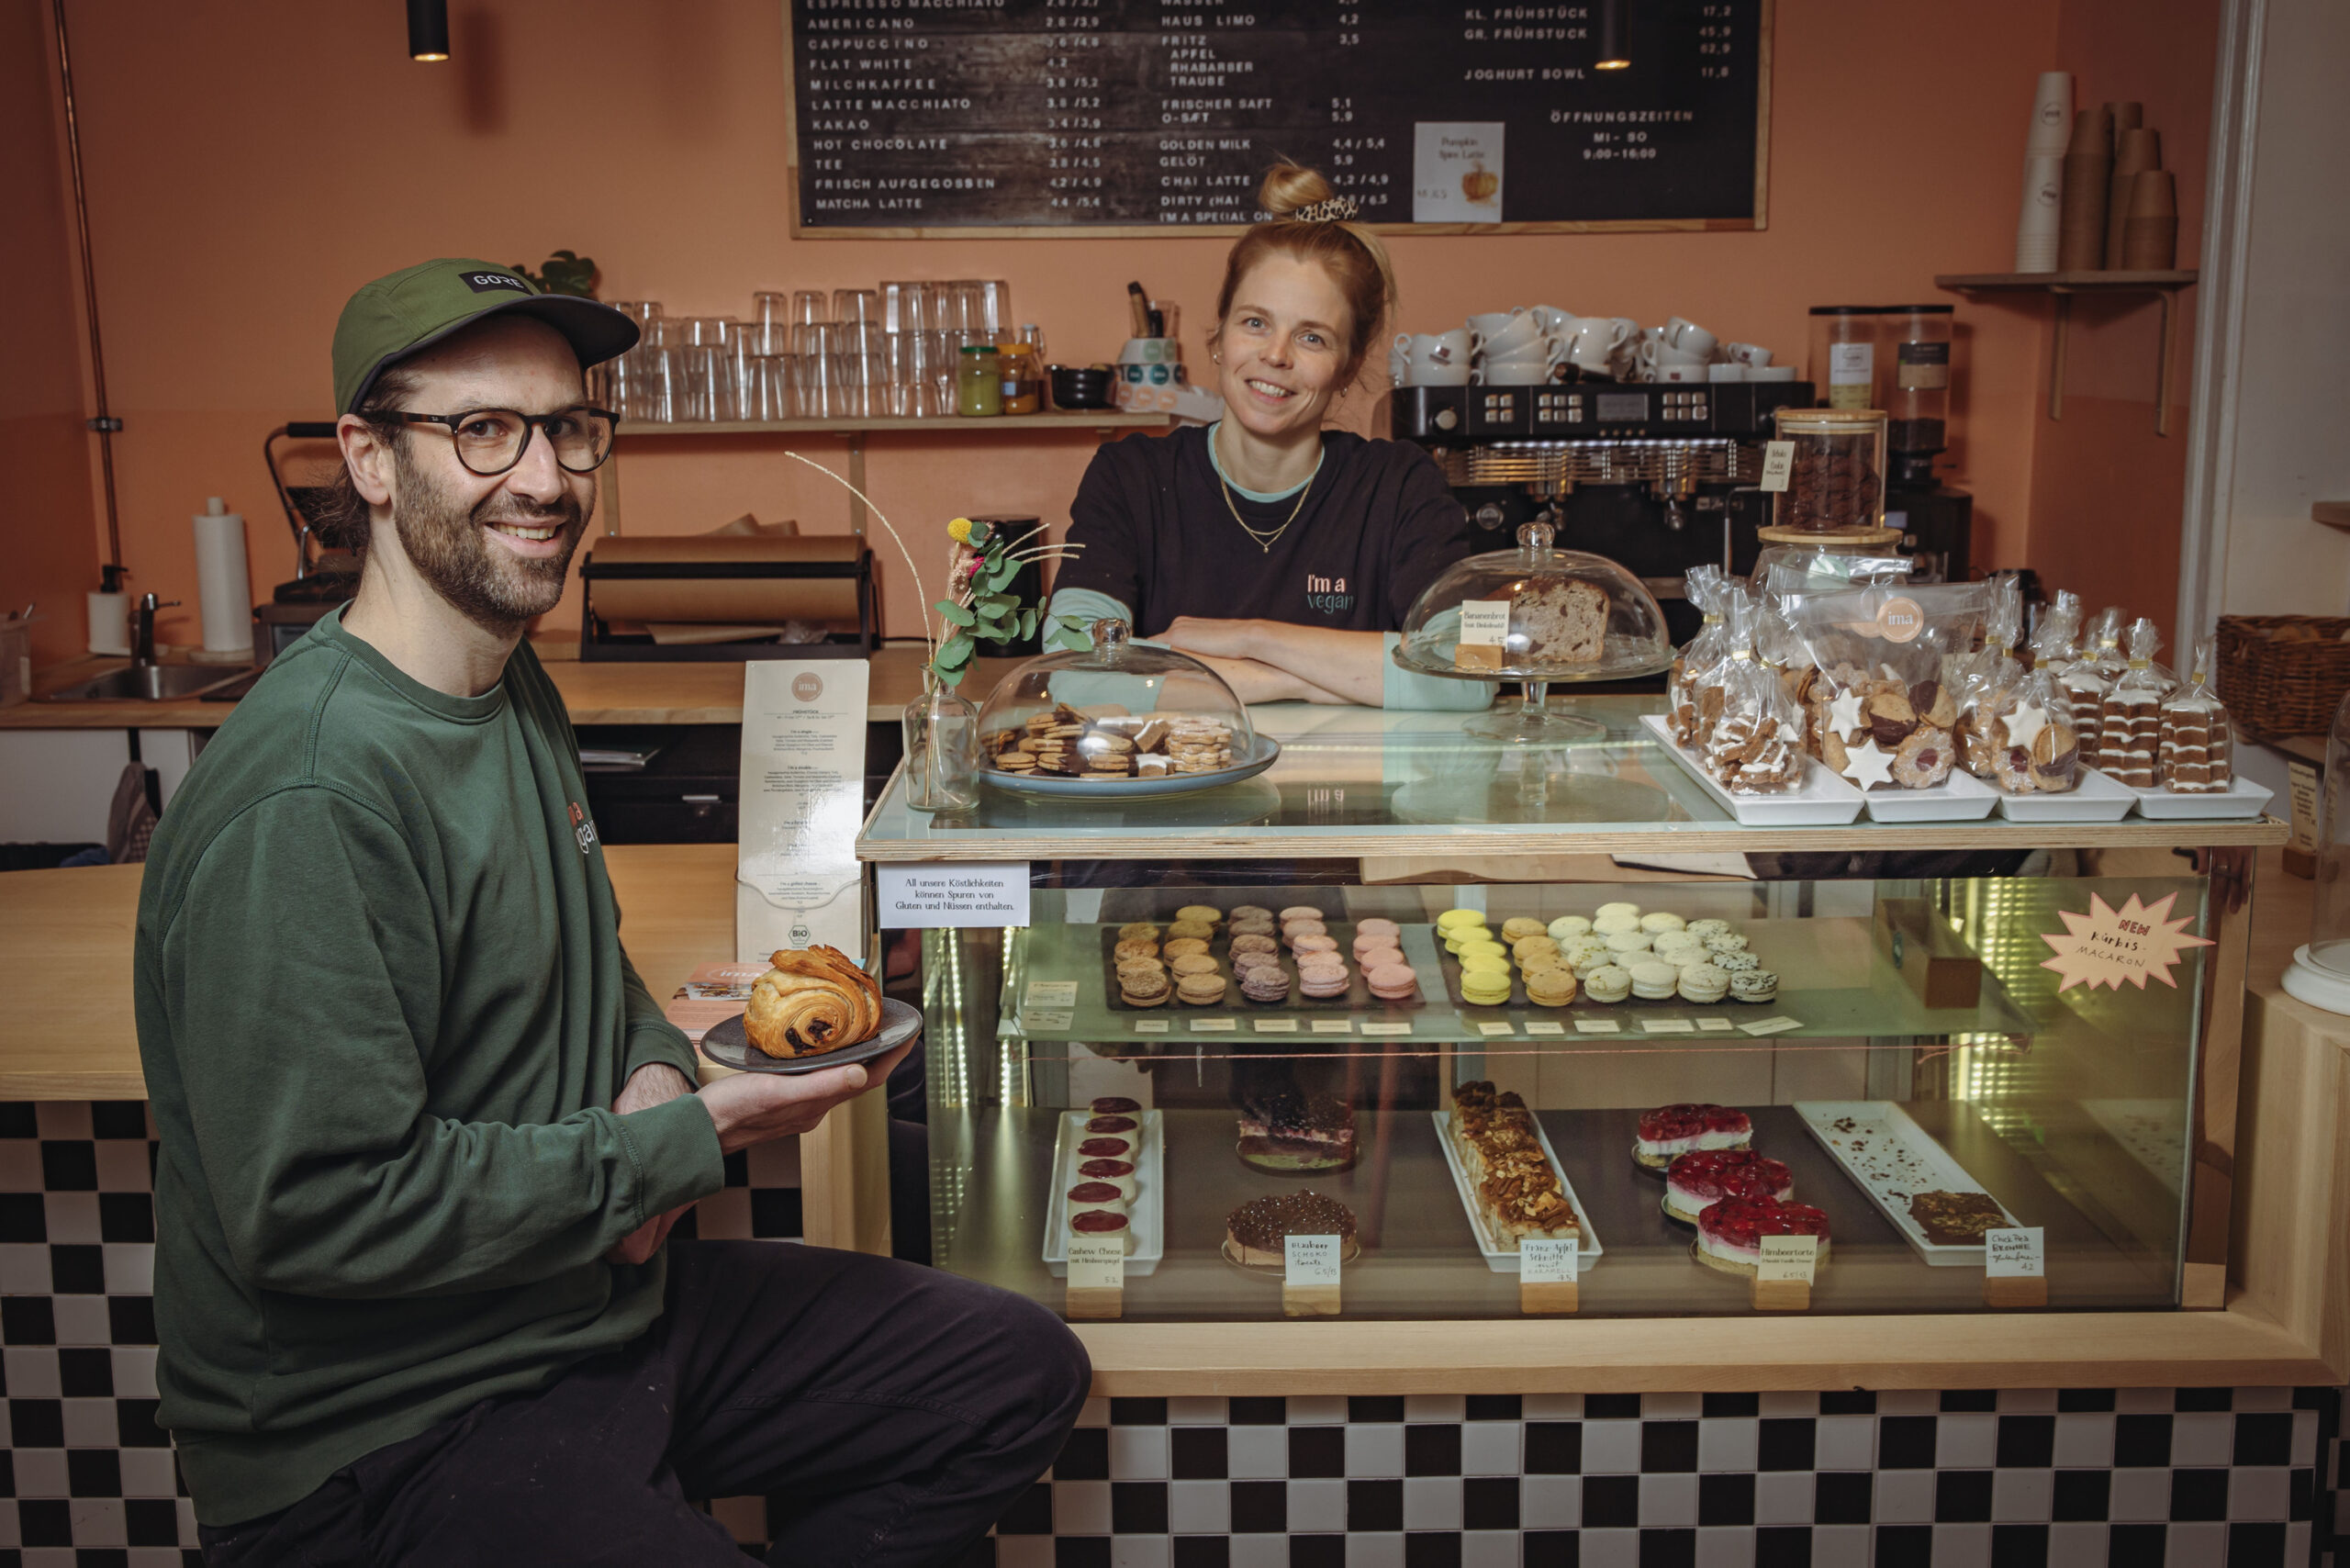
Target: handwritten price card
<point x="1548" y="1273"/>
<point x="1310" y="1286"/>
<point x="2015" y="1266"/>
<point x="1782" y="1275"/>
<point x="1097" y="1277"/>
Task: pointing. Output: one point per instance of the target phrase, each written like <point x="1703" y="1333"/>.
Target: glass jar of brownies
<point x="1836" y="478"/>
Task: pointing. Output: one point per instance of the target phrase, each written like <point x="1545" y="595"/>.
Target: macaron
<point x="1461" y="936"/>
<point x="1135" y="947"/>
<point x="1653" y="981"/>
<point x="1549" y="988"/>
<point x="1452" y="917"/>
<point x="1300" y="911"/>
<point x="1483" y="964"/>
<point x="1534" y="963"/>
<point x="1484" y="948"/>
<point x="1376" y="941"/>
<point x="1315" y="981"/>
<point x="1254" y="944"/>
<point x="1587" y="951"/>
<point x="1266" y="983"/>
<point x="1667" y="943"/>
<point x="1372" y="959"/>
<point x="1609" y="982"/>
<point x="1610" y="924"/>
<point x="1251" y="911"/>
<point x="1316" y="943"/>
<point x="1729" y="942"/>
<point x="1568" y="925"/>
<point x="1526" y="946"/>
<point x="1200" y="929"/>
<point x="1182" y="946"/>
<point x="1703" y="983"/>
<point x="1191" y="964"/>
<point x="1754" y="985"/>
<point x="1622" y="942"/>
<point x="1377" y="927"/>
<point x="1734" y="963"/>
<point x="1702" y="929"/>
<point x="1140" y="931"/>
<point x="1255" y="926"/>
<point x="1519" y="926"/>
<point x="1142" y="990"/>
<point x="1392" y="982"/>
<point x="1485" y="987"/>
<point x="1616" y="911"/>
<point x="1200" y="991"/>
<point x="1296" y="929"/>
<point x="1243" y="962"/>
<point x="1659" y="921"/>
<point x="1205" y="913"/>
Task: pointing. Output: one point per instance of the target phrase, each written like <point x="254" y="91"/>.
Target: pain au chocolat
<point x="813" y="999"/>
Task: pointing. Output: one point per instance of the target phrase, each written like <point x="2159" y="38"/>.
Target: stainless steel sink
<point x="148" y="683"/>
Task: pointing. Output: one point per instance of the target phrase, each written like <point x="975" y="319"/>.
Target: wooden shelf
<point x="1065" y="420"/>
<point x="2163" y="285"/>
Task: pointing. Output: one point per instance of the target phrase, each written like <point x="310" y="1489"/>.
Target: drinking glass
<point x="770" y="387"/>
<point x="816" y="337"/>
<point x="771" y="307"/>
<point x="705" y="377"/>
<point x="988" y="305"/>
<point x="656" y="393"/>
<point x="857" y="305"/>
<point x="810" y="305"/>
<point x="904" y="306"/>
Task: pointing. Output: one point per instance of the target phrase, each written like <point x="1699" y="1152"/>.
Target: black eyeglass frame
<point x="531" y="425"/>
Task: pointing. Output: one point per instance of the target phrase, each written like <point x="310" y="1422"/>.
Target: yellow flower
<point x="959" y="531"/>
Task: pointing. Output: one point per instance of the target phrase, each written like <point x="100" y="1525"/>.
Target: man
<point x="423" y="1130"/>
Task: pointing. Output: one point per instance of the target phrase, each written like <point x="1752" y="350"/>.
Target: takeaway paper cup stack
<point x="2039" y="222"/>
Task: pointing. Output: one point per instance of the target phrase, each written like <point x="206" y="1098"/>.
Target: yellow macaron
<point x="1452" y="917"/>
<point x="1485" y="987"/>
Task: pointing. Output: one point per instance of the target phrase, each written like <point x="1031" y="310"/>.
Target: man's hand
<point x="652" y="1084"/>
<point x="759" y="1108"/>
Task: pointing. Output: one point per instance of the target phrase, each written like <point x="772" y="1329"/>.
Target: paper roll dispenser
<point x="716" y="597"/>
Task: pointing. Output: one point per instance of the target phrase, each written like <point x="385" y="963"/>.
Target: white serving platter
<point x="1890" y="1157"/>
<point x="1821" y="800"/>
<point x="2241" y="799"/>
<point x="1961" y="798"/>
<point x="1149" y="1207"/>
<point x="1496" y="1258"/>
<point x="2093" y="798"/>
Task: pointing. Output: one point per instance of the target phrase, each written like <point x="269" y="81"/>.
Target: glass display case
<point x="1490" y="1022"/>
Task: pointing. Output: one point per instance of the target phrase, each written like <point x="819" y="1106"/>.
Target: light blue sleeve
<point x="1087" y="606"/>
<point x="1407" y="688"/>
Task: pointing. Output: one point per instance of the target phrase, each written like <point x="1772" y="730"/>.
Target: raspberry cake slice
<point x="1730" y="1234"/>
<point x="1696" y="1182"/>
<point x="1671" y="1131"/>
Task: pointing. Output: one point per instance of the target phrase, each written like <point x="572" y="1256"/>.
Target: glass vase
<point x="942" y="751"/>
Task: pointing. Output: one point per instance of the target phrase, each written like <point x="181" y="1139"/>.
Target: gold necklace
<point x="1265" y="542"/>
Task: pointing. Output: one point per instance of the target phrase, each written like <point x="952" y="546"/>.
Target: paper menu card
<point x="712" y="994"/>
<point x="801" y="803"/>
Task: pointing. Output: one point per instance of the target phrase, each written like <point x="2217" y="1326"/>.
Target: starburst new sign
<point x="2107" y="947"/>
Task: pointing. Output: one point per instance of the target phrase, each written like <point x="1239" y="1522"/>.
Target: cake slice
<point x="1564" y="622"/>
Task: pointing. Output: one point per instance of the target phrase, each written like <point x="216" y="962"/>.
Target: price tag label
<point x="2016" y="1252"/>
<point x="1150" y="1025"/>
<point x="1049" y="993"/>
<point x="1097" y="1262"/>
<point x="1715" y="1025"/>
<point x="1544" y="1026"/>
<point x="1047" y="1017"/>
<point x="1386" y="1028"/>
<point x="1771" y="1026"/>
<point x="1778" y="463"/>
<point x="1313" y="1260"/>
<point x="1333" y="1025"/>
<point x="1484" y="623"/>
<point x="1545" y="1261"/>
<point x="1668" y="1025"/>
<point x="1207" y="1025"/>
<point x="1791" y="1258"/>
<point x="1598" y="1026"/>
<point x="1496" y="1029"/>
<point x="1275" y="1025"/>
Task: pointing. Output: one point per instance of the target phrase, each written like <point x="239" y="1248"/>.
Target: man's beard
<point x="496" y="589"/>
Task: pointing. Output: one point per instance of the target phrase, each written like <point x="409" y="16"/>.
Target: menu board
<point x="914" y="118"/>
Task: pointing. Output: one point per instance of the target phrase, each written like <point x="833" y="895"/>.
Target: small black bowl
<point x="1082" y="387"/>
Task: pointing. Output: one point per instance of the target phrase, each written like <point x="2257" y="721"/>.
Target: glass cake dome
<point x="1117" y="718"/>
<point x="1537" y="616"/>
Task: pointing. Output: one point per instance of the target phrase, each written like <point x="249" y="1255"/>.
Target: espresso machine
<point x="1658" y="477"/>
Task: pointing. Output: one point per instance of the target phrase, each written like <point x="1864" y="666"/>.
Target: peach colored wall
<point x="49" y="539"/>
<point x="252" y="163"/>
<point x="2106" y="488"/>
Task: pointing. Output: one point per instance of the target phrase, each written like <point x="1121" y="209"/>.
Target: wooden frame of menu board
<point x="1764" y="11"/>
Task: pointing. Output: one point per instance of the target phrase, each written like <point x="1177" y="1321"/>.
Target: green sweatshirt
<point x="383" y="1013"/>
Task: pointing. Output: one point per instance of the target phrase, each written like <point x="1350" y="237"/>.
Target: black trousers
<point x="897" y="1410"/>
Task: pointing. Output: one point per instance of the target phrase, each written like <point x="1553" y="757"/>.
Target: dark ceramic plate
<point x="726" y="1045"/>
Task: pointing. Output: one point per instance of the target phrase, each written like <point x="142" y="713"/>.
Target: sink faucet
<point x="143" y="628"/>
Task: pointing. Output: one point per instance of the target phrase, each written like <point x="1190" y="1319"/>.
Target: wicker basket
<point x="2287" y="687"/>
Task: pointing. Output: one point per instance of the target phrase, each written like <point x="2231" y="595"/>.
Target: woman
<point x="1284" y="556"/>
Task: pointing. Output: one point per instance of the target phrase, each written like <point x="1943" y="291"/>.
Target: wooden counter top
<point x="65" y="987"/>
<point x="596" y="693"/>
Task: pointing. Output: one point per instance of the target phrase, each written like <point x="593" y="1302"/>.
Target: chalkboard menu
<point x="1103" y="117"/>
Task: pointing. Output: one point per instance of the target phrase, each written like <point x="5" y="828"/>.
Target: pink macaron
<point x="1393" y="982"/>
<point x="1376" y="927"/>
<point x="1292" y="930"/>
<point x="1306" y="945"/>
<point x="1378" y="956"/>
<point x="1300" y="911"/>
<point x="1315" y="981"/>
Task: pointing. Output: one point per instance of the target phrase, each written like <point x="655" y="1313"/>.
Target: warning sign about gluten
<point x="1062" y="115"/>
<point x="933" y="897"/>
<point x="2106" y="946"/>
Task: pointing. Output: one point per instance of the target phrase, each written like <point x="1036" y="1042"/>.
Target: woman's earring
<point x="1215" y="359"/>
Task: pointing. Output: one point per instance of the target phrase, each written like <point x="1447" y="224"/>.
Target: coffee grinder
<point x="1934" y="520"/>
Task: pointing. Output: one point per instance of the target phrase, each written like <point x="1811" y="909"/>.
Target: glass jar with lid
<point x="979" y="382"/>
<point x="1116" y="718"/>
<point x="1539" y="616"/>
<point x="1918" y="397"/>
<point x="1836" y="478"/>
<point x="1844" y="355"/>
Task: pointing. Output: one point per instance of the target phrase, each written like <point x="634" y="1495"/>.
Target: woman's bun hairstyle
<point x="1350" y="253"/>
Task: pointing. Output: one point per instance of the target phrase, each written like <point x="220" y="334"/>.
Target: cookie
<point x="1924" y="759"/>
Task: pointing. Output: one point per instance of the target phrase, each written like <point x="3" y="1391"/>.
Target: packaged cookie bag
<point x="2051" y="647"/>
<point x="2130" y="717"/>
<point x="2085" y="679"/>
<point x="1988" y="676"/>
<point x="2031" y="744"/>
<point x="1754" y="746"/>
<point x="2198" y="751"/>
<point x="1702" y="686"/>
<point x="1701" y="651"/>
<point x="1885" y="716"/>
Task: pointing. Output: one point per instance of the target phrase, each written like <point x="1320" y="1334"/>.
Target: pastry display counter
<point x="1275" y="988"/>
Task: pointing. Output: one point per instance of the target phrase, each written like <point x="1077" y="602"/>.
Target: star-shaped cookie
<point x="2025" y="724"/>
<point x="1844" y="712"/>
<point x="1867" y="764"/>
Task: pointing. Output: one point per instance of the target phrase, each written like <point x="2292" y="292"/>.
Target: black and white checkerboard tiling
<point x="2179" y="1478"/>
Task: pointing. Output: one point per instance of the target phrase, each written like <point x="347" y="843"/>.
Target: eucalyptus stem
<point x="920" y="595"/>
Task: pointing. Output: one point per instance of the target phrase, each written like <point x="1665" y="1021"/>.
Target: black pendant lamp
<point x="428" y="30"/>
<point x="1613" y="53"/>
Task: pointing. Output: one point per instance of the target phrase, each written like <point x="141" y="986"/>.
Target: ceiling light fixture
<point x="1613" y="54"/>
<point x="428" y="30"/>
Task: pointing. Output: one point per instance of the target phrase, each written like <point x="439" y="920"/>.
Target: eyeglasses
<point x="491" y="440"/>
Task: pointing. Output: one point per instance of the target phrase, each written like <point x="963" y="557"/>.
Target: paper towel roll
<point x="111" y="624"/>
<point x="223" y="586"/>
<point x="711" y="594"/>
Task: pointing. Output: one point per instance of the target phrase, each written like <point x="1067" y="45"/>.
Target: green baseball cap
<point x="414" y="307"/>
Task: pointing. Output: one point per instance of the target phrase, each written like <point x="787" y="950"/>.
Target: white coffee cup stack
<point x="2037" y="221"/>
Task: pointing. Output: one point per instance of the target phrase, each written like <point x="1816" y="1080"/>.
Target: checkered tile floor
<point x="2180" y="1478"/>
